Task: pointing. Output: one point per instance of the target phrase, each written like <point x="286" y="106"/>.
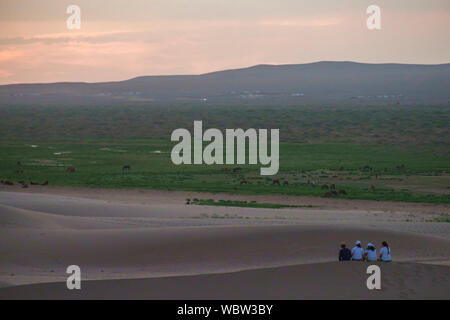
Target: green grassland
<point x="242" y="204"/>
<point x="99" y="163"/>
<point x="326" y="145"/>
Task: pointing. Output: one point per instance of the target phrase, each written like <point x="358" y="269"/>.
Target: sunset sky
<point x="122" y="39"/>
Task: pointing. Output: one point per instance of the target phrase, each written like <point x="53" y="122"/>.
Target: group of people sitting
<point x="368" y="254"/>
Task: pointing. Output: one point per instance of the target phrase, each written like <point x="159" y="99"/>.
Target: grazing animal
<point x="225" y="169"/>
<point x="24" y="185"/>
<point x="276" y="181"/>
<point x="333" y="186"/>
<point x="308" y="182"/>
<point x="7" y="182"/>
<point x="372" y="187"/>
<point x="237" y="169"/>
<point x="401" y="166"/>
<point x="328" y="194"/>
<point x="366" y="167"/>
<point x="44" y="183"/>
<point x="334" y="192"/>
<point x="341" y="168"/>
<point x="126" y="167"/>
<point x="19" y="171"/>
<point x="342" y="191"/>
<point x="324" y="186"/>
<point x="70" y="169"/>
<point x="21" y="182"/>
<point x="34" y="183"/>
<point x="285" y="183"/>
<point x="243" y="182"/>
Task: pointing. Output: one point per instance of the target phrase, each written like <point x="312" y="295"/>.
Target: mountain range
<point x="320" y="82"/>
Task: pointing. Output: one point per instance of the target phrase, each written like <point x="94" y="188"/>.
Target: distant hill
<point x="320" y="82"/>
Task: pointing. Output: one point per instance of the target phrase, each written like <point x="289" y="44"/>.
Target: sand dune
<point x="155" y="197"/>
<point x="331" y="280"/>
<point x="11" y="217"/>
<point x="279" y="256"/>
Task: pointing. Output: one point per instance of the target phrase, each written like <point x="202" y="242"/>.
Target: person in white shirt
<point x="371" y="253"/>
<point x="357" y="252"/>
<point x="385" y="252"/>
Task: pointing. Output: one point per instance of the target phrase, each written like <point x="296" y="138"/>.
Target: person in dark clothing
<point x="345" y="254"/>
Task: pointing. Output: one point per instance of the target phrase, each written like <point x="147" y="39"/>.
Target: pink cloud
<point x="199" y="46"/>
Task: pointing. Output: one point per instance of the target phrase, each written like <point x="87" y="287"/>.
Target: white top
<point x="357" y="253"/>
<point x="371" y="255"/>
<point x="385" y="254"/>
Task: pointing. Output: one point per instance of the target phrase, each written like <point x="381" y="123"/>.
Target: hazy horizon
<point x="231" y="69"/>
<point x="119" y="40"/>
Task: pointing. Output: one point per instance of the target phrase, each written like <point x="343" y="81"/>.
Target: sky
<point x="122" y="39"/>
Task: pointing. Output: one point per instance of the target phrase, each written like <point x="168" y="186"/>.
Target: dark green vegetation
<point x="443" y="218"/>
<point x="447" y="220"/>
<point x="397" y="125"/>
<point x="244" y="204"/>
<point x="406" y="149"/>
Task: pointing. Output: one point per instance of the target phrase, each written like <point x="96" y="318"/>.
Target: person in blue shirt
<point x="357" y="252"/>
<point x="371" y="253"/>
<point x="385" y="252"/>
